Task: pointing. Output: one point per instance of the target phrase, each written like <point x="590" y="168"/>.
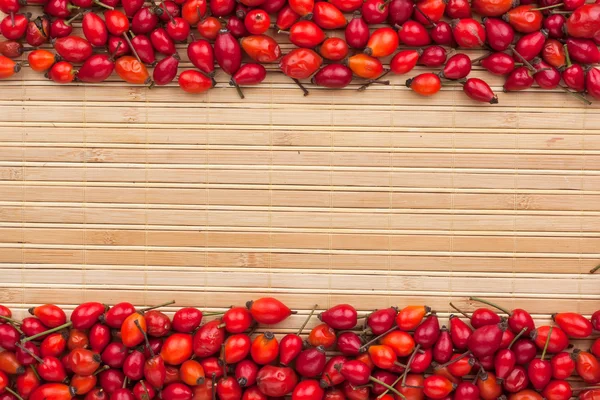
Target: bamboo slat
<point x="114" y="192"/>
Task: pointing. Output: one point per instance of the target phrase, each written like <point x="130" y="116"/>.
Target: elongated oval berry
<point x="525" y="18"/>
<point x="85" y="315"/>
<point x="334" y="49"/>
<point x="380" y="321"/>
<point x="592" y="83"/>
<point x="404" y="61"/>
<point x="334" y="76"/>
<point x="457" y="67"/>
<point x="485" y="341"/>
<point x="500" y="34"/>
<point x="382" y="43"/>
<point x="341" y="316"/>
<point x="276" y="381"/>
<point x="426" y="84"/>
<point x="365" y="66"/>
<point x="357" y="32"/>
<point x="479" y="90"/>
<point x="328" y="16"/>
<point x="261" y="48"/>
<point x="166" y="70"/>
<point x="468" y="33"/>
<point x="428" y="332"/>
<point x="297" y="64"/>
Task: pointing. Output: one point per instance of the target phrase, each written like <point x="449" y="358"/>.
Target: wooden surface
<point x="113" y="192"/>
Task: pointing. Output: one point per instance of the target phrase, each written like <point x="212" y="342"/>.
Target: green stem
<point x="548" y="7"/>
<point x="410" y="360"/>
<point x="517" y="337"/>
<point x="101" y="4"/>
<point x="37" y="335"/>
<point x="9" y="390"/>
<point x="31" y="353"/>
<point x="576" y="95"/>
<point x="307" y="319"/>
<point x="489" y="303"/>
<point x="168" y="303"/>
<point x="385" y="385"/>
<point x="103" y="368"/>
<point x="8" y="319"/>
<point x="463" y="355"/>
<point x="460" y="311"/>
<point x="147" y="394"/>
<point x="401" y="377"/>
<point x="527" y="63"/>
<point x="70" y="20"/>
<point x="596" y="268"/>
<point x="476" y="60"/>
<point x="35" y="372"/>
<point x="368" y="385"/>
<point x="364" y="346"/>
<point x="14" y="323"/>
<point x="547" y="343"/>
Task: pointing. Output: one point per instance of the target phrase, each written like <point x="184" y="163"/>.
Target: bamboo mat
<point x="114" y="192"/>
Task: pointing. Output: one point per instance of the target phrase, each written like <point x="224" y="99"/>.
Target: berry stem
<point x="34" y="369"/>
<point x="460" y="311"/>
<point x="138" y="58"/>
<point x="9" y="390"/>
<point x="12" y="321"/>
<point x="213" y="392"/>
<point x="596" y="268"/>
<point x="548" y="7"/>
<point x="301" y="86"/>
<point x="527" y="63"/>
<point x="307" y="319"/>
<point x="237" y="88"/>
<point x="73" y="18"/>
<point x="137" y="323"/>
<point x="517" y="337"/>
<point x="162" y="2"/>
<point x="476" y="60"/>
<point x="37" y="335"/>
<point x="410" y="360"/>
<point x="567" y="56"/>
<point x="101" y="4"/>
<point x="31" y="353"/>
<point x="375" y="81"/>
<point x="425" y="15"/>
<point x="463" y="355"/>
<point x="145" y="390"/>
<point x="385" y="385"/>
<point x="489" y="303"/>
<point x="583" y="99"/>
<point x="547" y="343"/>
<point x="168" y="303"/>
<point x="101" y="369"/>
<point x="366" y="345"/>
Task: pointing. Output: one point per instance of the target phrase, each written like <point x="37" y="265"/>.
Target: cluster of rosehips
<point x="124" y="353"/>
<point x="546" y="43"/>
